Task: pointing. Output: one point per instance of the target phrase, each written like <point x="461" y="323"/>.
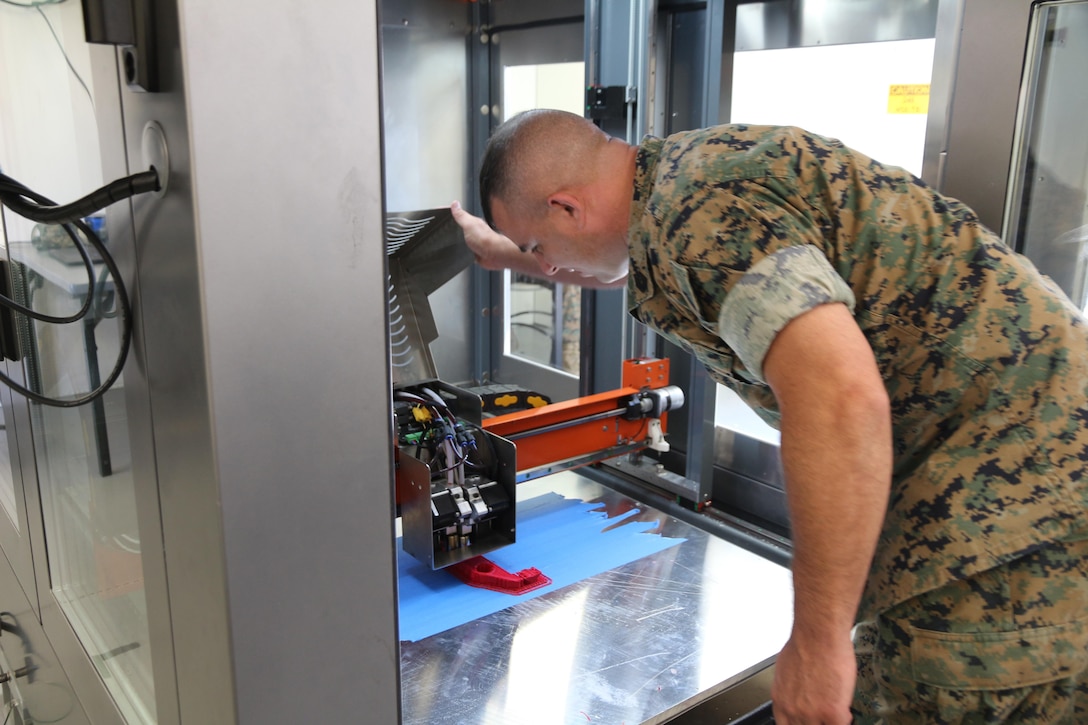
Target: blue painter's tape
<point x="568" y="540"/>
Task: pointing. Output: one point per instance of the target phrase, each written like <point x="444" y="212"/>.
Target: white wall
<point x="841" y="91"/>
<point x="550" y="85"/>
<point x="48" y="136"/>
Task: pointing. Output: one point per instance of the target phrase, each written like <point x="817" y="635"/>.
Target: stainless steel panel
<point x="945" y="61"/>
<point x="276" y="461"/>
<point x="120" y="225"/>
<point x="426" y="119"/>
<point x="1046" y="217"/>
<point x="641" y="643"/>
<point x="429" y="16"/>
<point x="979" y="104"/>
<point x="768" y="24"/>
<point x="683" y="99"/>
<point x="167" y="390"/>
<point x="535" y="45"/>
<point x="514" y="12"/>
<point x="831" y="22"/>
<point x="801" y="23"/>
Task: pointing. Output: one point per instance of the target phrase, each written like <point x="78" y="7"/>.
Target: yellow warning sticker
<point x="908" y="98"/>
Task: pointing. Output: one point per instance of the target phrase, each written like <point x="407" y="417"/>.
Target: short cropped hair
<point x="513" y="152"/>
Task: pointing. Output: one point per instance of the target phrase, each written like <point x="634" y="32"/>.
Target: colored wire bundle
<point x="449" y="443"/>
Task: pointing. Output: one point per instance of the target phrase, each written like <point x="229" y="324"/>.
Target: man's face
<point x="560" y="240"/>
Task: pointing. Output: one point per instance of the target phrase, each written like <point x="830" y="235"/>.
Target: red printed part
<point x="482" y="573"/>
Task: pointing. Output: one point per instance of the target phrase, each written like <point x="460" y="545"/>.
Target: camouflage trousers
<point x="1009" y="645"/>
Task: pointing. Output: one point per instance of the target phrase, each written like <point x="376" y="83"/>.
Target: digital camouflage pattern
<point x="984" y="360"/>
<point x="1007" y="645"/>
<point x="797" y="279"/>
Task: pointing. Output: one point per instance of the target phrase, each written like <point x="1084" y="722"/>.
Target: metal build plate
<point x="639" y="643"/>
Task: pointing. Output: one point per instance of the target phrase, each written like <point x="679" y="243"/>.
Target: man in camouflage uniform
<point x="931" y="388"/>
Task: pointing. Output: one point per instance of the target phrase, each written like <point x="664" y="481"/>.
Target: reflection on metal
<point x="426" y="249"/>
<point x="640" y="643"/>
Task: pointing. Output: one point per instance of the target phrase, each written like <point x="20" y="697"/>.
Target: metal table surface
<point x="639" y="643"/>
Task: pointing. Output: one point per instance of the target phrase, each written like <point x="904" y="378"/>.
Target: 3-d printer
<point x="456" y="469"/>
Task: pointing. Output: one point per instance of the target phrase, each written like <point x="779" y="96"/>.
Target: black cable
<point x="126" y="339"/>
<point x="477" y="432"/>
<point x="444" y="426"/>
<point x="87" y="301"/>
<point x="16" y="196"/>
<point x="6" y="183"/>
<point x="22" y="201"/>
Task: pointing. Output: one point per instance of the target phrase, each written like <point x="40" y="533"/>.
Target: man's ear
<point x="568" y="205"/>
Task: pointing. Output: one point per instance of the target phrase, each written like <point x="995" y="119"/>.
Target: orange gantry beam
<point x="582" y="426"/>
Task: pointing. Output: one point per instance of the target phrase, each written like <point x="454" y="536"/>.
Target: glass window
<point x="883" y="117"/>
<point x="543" y="318"/>
<point x="7" y="477"/>
<point x="7" y="480"/>
<point x="543" y="321"/>
<point x="49" y="142"/>
<point x="1048" y="217"/>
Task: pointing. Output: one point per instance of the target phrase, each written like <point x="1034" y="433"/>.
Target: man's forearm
<point x="837" y="456"/>
<point x="496" y="252"/>
<point x="838" y="471"/>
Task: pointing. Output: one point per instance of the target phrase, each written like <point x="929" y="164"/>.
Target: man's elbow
<point x="865" y="401"/>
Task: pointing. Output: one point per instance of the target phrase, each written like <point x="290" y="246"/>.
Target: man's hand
<point x="814" y="682"/>
<point x="493" y="251"/>
<point x="497" y="252"/>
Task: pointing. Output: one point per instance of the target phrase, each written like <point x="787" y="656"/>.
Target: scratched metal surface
<point x="637" y="644"/>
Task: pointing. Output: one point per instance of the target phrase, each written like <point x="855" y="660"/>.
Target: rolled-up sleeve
<point x="774" y="291"/>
